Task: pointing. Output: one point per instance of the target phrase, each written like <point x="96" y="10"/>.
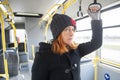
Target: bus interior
<point x="25" y="23"/>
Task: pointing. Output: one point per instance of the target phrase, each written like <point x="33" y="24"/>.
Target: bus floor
<point x="24" y="74"/>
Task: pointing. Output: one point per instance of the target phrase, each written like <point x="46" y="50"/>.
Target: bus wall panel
<point x="106" y="72"/>
<point x="87" y="71"/>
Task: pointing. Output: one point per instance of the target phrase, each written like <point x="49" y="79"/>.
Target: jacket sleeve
<point x="96" y="40"/>
<point x="40" y="67"/>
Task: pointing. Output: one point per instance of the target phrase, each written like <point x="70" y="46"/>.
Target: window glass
<point x="110" y="49"/>
<point x="111" y="44"/>
<point x="111" y="36"/>
<point x="82" y="37"/>
<point x="83" y="24"/>
<point x="111" y="17"/>
<point x="20" y="33"/>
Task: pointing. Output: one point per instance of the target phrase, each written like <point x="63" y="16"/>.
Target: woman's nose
<point x="71" y="32"/>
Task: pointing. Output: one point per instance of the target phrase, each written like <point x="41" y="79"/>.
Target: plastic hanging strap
<point x="80" y="5"/>
<point x="95" y="1"/>
<point x="79" y="13"/>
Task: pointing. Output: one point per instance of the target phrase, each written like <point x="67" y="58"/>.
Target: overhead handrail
<point x="9" y="10"/>
<point x="67" y="5"/>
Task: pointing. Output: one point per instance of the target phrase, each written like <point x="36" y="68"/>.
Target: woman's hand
<point x="94" y="11"/>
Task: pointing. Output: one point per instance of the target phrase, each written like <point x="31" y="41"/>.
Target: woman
<point x="60" y="59"/>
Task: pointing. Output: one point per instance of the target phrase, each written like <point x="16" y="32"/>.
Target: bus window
<point x="111" y="38"/>
<point x="83" y="24"/>
<point x="111" y="44"/>
<point x="111" y="17"/>
<point x="81" y="37"/>
<point x="84" y="34"/>
<point x="20" y="33"/>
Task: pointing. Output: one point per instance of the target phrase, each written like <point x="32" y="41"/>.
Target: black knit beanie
<point x="59" y="23"/>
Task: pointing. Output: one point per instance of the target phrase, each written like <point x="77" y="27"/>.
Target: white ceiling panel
<point x="42" y="6"/>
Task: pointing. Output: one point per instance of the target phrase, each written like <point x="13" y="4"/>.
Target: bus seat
<point x="13" y="62"/>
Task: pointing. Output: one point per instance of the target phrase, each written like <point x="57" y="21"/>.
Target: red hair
<point x="59" y="47"/>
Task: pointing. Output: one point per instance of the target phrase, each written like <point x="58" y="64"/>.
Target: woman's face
<point x="68" y="34"/>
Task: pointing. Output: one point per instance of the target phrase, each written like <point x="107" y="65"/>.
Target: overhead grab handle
<point x="79" y="13"/>
<point x="94" y="7"/>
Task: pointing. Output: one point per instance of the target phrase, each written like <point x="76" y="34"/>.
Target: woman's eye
<point x="66" y="29"/>
<point x="73" y="30"/>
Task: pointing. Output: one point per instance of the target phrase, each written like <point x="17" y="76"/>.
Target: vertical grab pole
<point x="14" y="30"/>
<point x="96" y="65"/>
<point x="33" y="52"/>
<point x="97" y="57"/>
<point x="25" y="44"/>
<point x="4" y="47"/>
<point x="96" y="62"/>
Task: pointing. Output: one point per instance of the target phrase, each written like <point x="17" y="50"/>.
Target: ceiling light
<point x="27" y="14"/>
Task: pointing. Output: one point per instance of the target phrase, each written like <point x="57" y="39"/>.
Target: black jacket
<point x="49" y="66"/>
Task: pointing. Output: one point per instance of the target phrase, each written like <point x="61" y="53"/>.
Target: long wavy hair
<point x="59" y="47"/>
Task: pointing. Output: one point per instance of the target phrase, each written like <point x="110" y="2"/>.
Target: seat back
<point x="13" y="62"/>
